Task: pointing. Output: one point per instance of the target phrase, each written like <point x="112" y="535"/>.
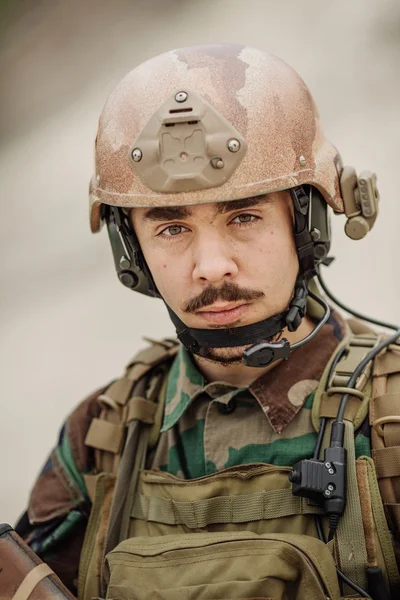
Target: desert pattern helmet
<point x="210" y="124"/>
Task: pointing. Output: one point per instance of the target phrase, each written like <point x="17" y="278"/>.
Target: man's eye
<point x="172" y="230"/>
<point x="244" y="218"/>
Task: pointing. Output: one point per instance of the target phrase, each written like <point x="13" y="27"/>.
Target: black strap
<point x="194" y="339"/>
<point x="302" y="236"/>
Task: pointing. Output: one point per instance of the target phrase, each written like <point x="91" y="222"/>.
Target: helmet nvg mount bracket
<point x="208" y="124"/>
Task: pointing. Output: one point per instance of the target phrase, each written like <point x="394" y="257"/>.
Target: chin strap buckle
<point x="300" y="200"/>
<point x="265" y="353"/>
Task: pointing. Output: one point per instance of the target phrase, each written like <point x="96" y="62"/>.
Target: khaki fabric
<point x="222" y="565"/>
<point x="127" y="420"/>
<point x="257" y="498"/>
<point x="385" y="434"/>
<point x="166" y="504"/>
<point x="379" y="528"/>
<point x="248" y="500"/>
<point x="90" y="562"/>
<point x="258" y="506"/>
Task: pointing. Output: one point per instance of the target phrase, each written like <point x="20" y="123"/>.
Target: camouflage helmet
<point x="210" y="124"/>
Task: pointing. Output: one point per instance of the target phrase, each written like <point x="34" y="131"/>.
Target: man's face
<point x="221" y="265"/>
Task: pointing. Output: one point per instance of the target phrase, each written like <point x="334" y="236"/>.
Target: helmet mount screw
<point x="315" y="234"/>
<point x="124" y="263"/>
<point x="302" y="160"/>
<point x="137" y="154"/>
<point x="181" y="97"/>
<point x="233" y="145"/>
<point x="217" y="162"/>
<point x="97" y="179"/>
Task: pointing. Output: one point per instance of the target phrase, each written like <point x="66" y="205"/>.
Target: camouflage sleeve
<point x="55" y="522"/>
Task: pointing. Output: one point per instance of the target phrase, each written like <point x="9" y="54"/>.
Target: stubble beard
<point x="223" y="356"/>
<point x="231" y="292"/>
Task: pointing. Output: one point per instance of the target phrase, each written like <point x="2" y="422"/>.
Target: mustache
<point x="230" y="292"/>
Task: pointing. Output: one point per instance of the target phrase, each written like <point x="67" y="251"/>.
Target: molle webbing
<point x="377" y="392"/>
<point x="245" y="508"/>
<point x="351" y="546"/>
<point x="380" y="521"/>
<point x="385" y="422"/>
<point x="329" y="393"/>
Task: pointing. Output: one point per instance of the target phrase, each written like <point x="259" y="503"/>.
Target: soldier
<point x="214" y="180"/>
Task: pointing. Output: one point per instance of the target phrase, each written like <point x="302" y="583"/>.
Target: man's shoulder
<point x="77" y="424"/>
<point x="76" y="427"/>
<point x="60" y="485"/>
<point x="61" y="480"/>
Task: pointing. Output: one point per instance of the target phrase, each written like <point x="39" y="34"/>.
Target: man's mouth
<point x="223" y="314"/>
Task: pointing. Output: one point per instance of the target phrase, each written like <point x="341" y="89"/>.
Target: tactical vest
<point x="246" y="535"/>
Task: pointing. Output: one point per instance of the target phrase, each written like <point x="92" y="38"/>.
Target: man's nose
<point x="213" y="261"/>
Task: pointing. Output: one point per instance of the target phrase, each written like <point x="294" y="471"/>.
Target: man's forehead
<point x="165" y="213"/>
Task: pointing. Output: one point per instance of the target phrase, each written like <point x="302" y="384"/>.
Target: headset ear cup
<point x="131" y="267"/>
<point x="319" y="225"/>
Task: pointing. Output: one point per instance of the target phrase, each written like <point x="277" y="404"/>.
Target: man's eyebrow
<point x="170" y="213"/>
<point x="166" y="213"/>
<point x="226" y="207"/>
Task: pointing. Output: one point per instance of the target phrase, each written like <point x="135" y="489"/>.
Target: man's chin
<point x="223" y="356"/>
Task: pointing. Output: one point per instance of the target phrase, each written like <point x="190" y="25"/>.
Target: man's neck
<point x="240" y="375"/>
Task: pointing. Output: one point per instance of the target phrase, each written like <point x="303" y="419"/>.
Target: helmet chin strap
<point x="264" y="352"/>
<point x="196" y="339"/>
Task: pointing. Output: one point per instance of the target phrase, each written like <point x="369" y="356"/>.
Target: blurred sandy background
<point x="67" y="325"/>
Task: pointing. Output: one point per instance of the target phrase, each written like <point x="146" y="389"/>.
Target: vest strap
<point x="354" y="348"/>
<point x="358" y="348"/>
<point x="384" y="406"/>
<point x="385" y="432"/>
<point x="330" y="405"/>
<point x="381" y="524"/>
<point x="351" y="540"/>
<point x="104" y="435"/>
<point x="387" y="363"/>
<point x="141" y="409"/>
<point x="387" y="461"/>
<point x="118" y="392"/>
<point x="222" y="509"/>
<point x="349" y="548"/>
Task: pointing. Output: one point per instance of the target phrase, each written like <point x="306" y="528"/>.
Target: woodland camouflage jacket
<point x="207" y="427"/>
